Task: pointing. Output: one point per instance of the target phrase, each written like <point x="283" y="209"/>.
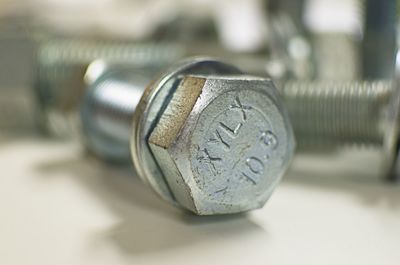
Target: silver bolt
<point x="204" y="136"/>
<point x="61" y="65"/>
<point x="332" y="114"/>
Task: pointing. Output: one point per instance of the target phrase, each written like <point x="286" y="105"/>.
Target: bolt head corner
<point x="223" y="143"/>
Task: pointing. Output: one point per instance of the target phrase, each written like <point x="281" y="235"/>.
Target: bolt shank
<point x="334" y="113"/>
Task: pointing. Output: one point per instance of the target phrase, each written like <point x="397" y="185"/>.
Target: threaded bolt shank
<point x="335" y="113"/>
<point x="62" y="64"/>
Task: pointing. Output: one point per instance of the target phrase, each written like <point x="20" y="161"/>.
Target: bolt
<point x="332" y="114"/>
<point x="61" y="64"/>
<point x="204" y="136"/>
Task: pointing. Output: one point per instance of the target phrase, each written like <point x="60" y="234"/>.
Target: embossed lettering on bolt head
<point x="223" y="143"/>
<point x="154" y="99"/>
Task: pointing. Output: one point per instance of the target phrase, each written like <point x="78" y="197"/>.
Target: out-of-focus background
<point x="60" y="205"/>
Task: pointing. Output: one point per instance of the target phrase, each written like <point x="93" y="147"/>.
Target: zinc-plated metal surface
<point x="106" y="114"/>
<point x="62" y="63"/>
<point x="332" y="114"/>
<point x="149" y="108"/>
<point x="204" y="136"/>
<point x="225" y="151"/>
<point x="338" y="113"/>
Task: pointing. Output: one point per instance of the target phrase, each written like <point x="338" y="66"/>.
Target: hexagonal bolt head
<point x="203" y="135"/>
<point x="223" y="143"/>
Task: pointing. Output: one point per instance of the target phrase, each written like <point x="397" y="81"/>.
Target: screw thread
<point x="86" y="51"/>
<point x="62" y="64"/>
<point x="338" y="113"/>
<point x="59" y="60"/>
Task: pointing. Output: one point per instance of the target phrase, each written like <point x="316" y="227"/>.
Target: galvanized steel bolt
<point x="204" y="136"/>
<point x="61" y="65"/>
<point x="332" y="114"/>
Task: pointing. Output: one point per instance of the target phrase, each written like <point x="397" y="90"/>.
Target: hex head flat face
<point x="223" y="143"/>
<point x="155" y="97"/>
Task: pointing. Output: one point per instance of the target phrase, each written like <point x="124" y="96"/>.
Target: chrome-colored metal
<point x="204" y="136"/>
<point x="338" y="113"/>
<point x="151" y="104"/>
<point x="61" y="65"/>
<point x="332" y="114"/>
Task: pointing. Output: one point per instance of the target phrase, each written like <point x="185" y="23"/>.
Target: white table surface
<point x="58" y="207"/>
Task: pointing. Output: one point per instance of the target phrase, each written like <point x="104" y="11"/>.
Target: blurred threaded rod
<point x="84" y="51"/>
<point x="323" y="114"/>
<point x="62" y="63"/>
<point x="60" y="60"/>
<point x="338" y="113"/>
